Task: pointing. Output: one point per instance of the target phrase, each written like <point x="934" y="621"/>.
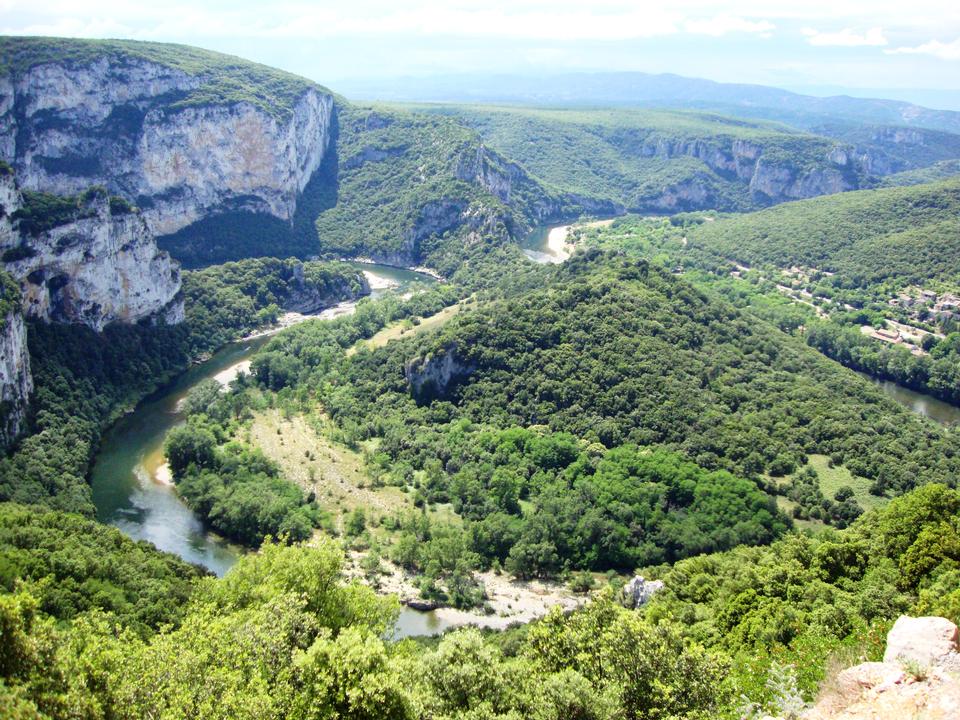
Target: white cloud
<point x="873" y="37"/>
<point x="944" y="51"/>
<point x="724" y="24"/>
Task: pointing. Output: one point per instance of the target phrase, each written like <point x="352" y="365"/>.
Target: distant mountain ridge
<point x="639" y="89"/>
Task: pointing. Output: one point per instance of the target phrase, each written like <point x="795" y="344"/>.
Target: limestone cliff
<point x="180" y="132"/>
<point x="771" y="177"/>
<point x="98" y="264"/>
<point x="432" y="375"/>
<point x="16" y="382"/>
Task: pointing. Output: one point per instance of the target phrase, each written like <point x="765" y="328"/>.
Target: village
<point x="913" y="307"/>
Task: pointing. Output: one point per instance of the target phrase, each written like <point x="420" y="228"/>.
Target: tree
<point x="189" y="445"/>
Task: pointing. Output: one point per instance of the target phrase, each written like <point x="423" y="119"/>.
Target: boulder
<point x="638" y="591"/>
<point x="926" y="641"/>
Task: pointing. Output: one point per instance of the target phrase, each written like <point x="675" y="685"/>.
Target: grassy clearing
<point x="406" y="328"/>
<point x="833" y="478"/>
<point x="334" y="472"/>
<point x="786" y="505"/>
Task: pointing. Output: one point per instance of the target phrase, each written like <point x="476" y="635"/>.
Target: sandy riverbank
<point x="512" y="601"/>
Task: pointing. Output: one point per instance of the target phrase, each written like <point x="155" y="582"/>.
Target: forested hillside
<point x="655" y="160"/>
<point x="616" y="351"/>
<point x="511" y="444"/>
<point x="908" y="234"/>
<point x="282" y="637"/>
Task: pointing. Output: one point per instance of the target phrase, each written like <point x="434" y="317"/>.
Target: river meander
<point x="129" y="488"/>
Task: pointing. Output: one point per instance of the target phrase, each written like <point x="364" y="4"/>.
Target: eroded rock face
<point x="100" y="268"/>
<point x="66" y="126"/>
<point x="770" y="179"/>
<point x="432" y="376"/>
<point x="16" y="382"/>
<point x="638" y="591"/>
<point x="919" y="677"/>
<point x="926" y="641"/>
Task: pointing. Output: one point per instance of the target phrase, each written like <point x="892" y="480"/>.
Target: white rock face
<point x="16" y="382"/>
<point x="67" y="126"/>
<point x="926" y="641"/>
<point x="638" y="591"/>
<point x="95" y="270"/>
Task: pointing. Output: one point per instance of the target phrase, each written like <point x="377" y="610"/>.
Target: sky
<point x="799" y="44"/>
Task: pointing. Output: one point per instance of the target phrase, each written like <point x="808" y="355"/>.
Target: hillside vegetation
<point x="646" y="159"/>
<point x="909" y="234"/>
<point x="282" y="636"/>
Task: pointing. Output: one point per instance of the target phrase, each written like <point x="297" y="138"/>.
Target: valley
<point x="317" y="408"/>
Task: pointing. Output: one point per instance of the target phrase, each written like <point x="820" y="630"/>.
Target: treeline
<point x="906" y="234"/>
<point x="82" y="378"/>
<point x="73" y="565"/>
<point x="537" y="503"/>
<point x="283" y="636"/>
<point x="235" y="489"/>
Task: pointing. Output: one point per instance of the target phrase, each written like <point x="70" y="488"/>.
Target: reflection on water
<point x="131" y="489"/>
<point x="413" y="623"/>
<point x="926" y="405"/>
<point x="538" y="246"/>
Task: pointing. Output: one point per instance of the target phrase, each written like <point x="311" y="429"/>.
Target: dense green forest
<point x="669" y="401"/>
<point x="614" y="351"/>
<point x="281" y="636"/>
<point x="228" y="301"/>
<point x="907" y="234"/>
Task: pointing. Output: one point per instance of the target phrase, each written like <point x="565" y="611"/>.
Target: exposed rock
<point x="638" y="591"/>
<point x="917" y="679"/>
<point x="770" y="179"/>
<point x="101" y="267"/>
<point x="16" y="382"/>
<point x="778" y="182"/>
<point x="926" y="641"/>
<point x="431" y="376"/>
<point x="109" y="121"/>
<point x="869" y="675"/>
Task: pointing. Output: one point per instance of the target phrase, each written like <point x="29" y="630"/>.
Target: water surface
<point x="926" y="405"/>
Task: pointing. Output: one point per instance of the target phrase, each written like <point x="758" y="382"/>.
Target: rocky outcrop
<point x="307" y="298"/>
<point x="433" y="375"/>
<point x="100" y="266"/>
<point x="779" y="182"/>
<point x="16" y="382"/>
<point x="919" y="677"/>
<point x="506" y="180"/>
<point x="120" y="121"/>
<point x="926" y="641"/>
<point x="638" y="591"/>
<point x="769" y="177"/>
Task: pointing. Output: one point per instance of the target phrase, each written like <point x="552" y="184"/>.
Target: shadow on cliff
<point x="233" y="234"/>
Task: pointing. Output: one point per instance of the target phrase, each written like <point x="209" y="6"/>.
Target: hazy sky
<point x="859" y="43"/>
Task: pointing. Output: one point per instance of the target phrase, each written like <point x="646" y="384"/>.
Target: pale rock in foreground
<point x="919" y="678"/>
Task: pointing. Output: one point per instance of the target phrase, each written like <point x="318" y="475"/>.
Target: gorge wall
<point x="179" y="143"/>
